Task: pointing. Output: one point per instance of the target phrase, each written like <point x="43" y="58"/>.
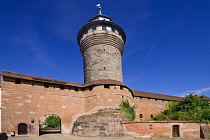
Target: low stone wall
<point x="162" y="129"/>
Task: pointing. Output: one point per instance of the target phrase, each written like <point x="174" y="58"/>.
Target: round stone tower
<point x="101" y="43"/>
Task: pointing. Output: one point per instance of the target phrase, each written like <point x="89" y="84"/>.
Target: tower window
<point x="106" y="86"/>
<point x="94" y="28"/>
<point x="140" y="116"/>
<point x="76" y="89"/>
<point x="113" y="29"/>
<point x="121" y="87"/>
<point x="108" y="28"/>
<point x="17" y="81"/>
<point x="103" y="27"/>
<point x="151" y="116"/>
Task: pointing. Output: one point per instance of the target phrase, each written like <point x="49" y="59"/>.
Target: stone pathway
<point x="67" y="137"/>
<point x="70" y="137"/>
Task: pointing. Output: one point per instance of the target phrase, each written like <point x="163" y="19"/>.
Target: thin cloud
<point x="198" y="91"/>
<point x="203" y="90"/>
<point x="30" y="41"/>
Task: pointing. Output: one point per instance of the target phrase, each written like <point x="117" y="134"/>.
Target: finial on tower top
<point x="99" y="7"/>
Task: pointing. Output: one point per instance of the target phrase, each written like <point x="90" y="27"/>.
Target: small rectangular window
<point x="103" y="27"/>
<point x="76" y="89"/>
<point x="106" y="86"/>
<point x="62" y="87"/>
<point x="121" y="87"/>
<point x="113" y="29"/>
<point x="17" y="81"/>
<point x="140" y="116"/>
<point x="94" y="28"/>
<point x="46" y="85"/>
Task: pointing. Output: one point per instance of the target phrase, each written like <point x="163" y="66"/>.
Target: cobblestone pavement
<point x="70" y="137"/>
<point x="67" y="137"/>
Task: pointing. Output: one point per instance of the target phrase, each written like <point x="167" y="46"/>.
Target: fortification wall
<point x="147" y="108"/>
<point x="106" y="96"/>
<point x="21" y="102"/>
<point x="33" y="99"/>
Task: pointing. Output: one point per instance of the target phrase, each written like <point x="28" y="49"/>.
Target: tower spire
<point x="99" y="7"/>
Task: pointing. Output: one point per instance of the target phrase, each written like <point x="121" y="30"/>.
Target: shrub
<point x="53" y="122"/>
<point x="127" y="110"/>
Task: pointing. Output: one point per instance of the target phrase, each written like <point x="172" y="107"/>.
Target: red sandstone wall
<point x="162" y="129"/>
<point x="21" y="102"/>
<point x="30" y="99"/>
<point x="147" y="107"/>
<point x="106" y="97"/>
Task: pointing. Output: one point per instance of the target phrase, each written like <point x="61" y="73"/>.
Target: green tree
<point x="53" y="121"/>
<point x="191" y="108"/>
<point x="127" y="110"/>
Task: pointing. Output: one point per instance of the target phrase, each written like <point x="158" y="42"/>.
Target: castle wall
<point x="106" y="96"/>
<point x="21" y="102"/>
<point x="33" y="99"/>
<point x="148" y="107"/>
<point x="163" y="129"/>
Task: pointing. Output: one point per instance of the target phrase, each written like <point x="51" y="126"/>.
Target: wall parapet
<point x="130" y="122"/>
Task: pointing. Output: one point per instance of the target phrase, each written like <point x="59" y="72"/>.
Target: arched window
<point x="22" y="129"/>
<point x="151" y="116"/>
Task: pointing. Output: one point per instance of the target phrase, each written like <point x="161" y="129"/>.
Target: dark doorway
<point x="22" y="129"/>
<point x="175" y="131"/>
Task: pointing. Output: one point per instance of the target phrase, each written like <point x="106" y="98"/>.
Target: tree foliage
<point x="127" y="110"/>
<point x="191" y="108"/>
<point x="53" y="122"/>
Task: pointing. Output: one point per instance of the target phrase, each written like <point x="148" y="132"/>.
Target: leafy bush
<point x="192" y="108"/>
<point x="127" y="110"/>
<point x="53" y="122"/>
<point x="160" y="117"/>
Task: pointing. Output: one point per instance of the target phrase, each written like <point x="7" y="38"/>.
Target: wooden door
<point x="175" y="131"/>
<point x="22" y="129"/>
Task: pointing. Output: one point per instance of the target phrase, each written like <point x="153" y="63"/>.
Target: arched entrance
<point x="22" y="129"/>
<point x="49" y="124"/>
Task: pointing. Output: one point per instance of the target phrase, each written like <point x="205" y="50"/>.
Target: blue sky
<point x="167" y="49"/>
